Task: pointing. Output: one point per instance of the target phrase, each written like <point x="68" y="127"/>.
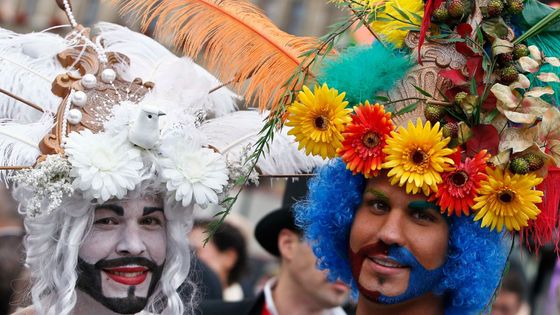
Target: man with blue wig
<point x="396" y="250"/>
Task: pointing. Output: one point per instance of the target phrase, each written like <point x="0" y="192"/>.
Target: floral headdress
<point x="106" y="127"/>
<point x="455" y="100"/>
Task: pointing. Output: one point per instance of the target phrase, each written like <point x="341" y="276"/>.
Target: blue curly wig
<point x="476" y="256"/>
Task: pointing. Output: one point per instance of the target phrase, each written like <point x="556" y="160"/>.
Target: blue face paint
<point x="423" y="205"/>
<point x="421" y="280"/>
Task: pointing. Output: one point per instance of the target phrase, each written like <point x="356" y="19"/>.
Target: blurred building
<point x="301" y="17"/>
<point x="34" y="15"/>
<point x="298" y="17"/>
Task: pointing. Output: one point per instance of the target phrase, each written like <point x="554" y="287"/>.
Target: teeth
<point x="386" y="262"/>
<point x="127" y="274"/>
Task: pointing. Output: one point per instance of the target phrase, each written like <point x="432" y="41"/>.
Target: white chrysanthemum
<point x="195" y="174"/>
<point x="103" y="166"/>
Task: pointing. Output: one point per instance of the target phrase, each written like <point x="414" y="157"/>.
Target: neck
<point x="222" y="275"/>
<point x="290" y="299"/>
<point x="86" y="305"/>
<point x="427" y="304"/>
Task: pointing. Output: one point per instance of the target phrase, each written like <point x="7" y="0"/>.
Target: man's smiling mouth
<point x="128" y="275"/>
<point x="385" y="262"/>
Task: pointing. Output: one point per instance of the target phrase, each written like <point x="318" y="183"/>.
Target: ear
<point x="228" y="258"/>
<point x="287" y="242"/>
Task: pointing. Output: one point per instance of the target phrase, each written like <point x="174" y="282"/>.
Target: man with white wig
<point x="107" y="167"/>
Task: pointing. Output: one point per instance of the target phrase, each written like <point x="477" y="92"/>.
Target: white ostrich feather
<point x="178" y="80"/>
<point x="28" y="66"/>
<point x="231" y="133"/>
<point x="19" y="143"/>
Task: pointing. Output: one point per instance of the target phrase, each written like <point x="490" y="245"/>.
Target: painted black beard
<point x="89" y="281"/>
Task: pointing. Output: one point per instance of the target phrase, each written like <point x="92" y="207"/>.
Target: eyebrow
<point x="148" y="210"/>
<point x="423" y="205"/>
<point x="118" y="210"/>
<point x="379" y="195"/>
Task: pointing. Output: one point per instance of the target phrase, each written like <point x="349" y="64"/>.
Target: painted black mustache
<point x="123" y="261"/>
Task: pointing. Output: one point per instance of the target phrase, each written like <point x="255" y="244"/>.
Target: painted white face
<point x="122" y="257"/>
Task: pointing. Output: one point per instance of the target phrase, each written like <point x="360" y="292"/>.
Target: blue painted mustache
<point x="421" y="280"/>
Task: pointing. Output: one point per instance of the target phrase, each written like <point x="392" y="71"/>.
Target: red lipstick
<point x="128" y="275"/>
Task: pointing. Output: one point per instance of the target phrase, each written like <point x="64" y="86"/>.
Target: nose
<point x="391" y="232"/>
<point x="130" y="242"/>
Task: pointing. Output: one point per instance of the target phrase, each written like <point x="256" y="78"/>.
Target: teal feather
<point x="548" y="42"/>
<point x="364" y="72"/>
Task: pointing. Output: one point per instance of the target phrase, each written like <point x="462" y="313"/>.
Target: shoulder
<point x="26" y="311"/>
<point x="244" y="307"/>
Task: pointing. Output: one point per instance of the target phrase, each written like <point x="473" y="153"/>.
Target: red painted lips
<point x="128" y="275"/>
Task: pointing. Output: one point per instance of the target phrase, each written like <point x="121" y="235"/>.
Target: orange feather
<point x="239" y="43"/>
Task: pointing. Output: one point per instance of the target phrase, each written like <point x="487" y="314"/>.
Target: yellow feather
<point x="239" y="43"/>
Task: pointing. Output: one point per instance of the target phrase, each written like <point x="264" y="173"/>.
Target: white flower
<point x="193" y="173"/>
<point x="49" y="183"/>
<point x="103" y="166"/>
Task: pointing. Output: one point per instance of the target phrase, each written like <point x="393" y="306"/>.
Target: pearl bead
<point x="79" y="98"/>
<point x="108" y="75"/>
<point x="74" y="116"/>
<point x="89" y="81"/>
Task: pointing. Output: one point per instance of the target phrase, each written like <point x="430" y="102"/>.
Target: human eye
<point x="423" y="215"/>
<point x="151" y="221"/>
<point x="107" y="221"/>
<point x="377" y="205"/>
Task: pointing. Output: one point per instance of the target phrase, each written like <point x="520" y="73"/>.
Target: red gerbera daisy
<point x="457" y="191"/>
<point x="364" y="139"/>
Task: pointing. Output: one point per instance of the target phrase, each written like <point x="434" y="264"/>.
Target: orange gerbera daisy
<point x="364" y="139"/>
<point x="457" y="191"/>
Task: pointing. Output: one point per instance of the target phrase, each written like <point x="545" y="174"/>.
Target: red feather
<point x="428" y="11"/>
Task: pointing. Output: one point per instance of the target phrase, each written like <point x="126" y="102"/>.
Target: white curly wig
<point x="53" y="242"/>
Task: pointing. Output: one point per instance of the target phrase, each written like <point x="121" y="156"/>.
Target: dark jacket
<point x="245" y="307"/>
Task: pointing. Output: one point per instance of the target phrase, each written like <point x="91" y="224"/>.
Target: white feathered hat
<point x="98" y="126"/>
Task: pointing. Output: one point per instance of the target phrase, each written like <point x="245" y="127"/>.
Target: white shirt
<point x="269" y="302"/>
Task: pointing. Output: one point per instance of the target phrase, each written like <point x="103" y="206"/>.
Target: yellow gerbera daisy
<point x="390" y="24"/>
<point x="507" y="199"/>
<point x="417" y="155"/>
<point x="318" y="119"/>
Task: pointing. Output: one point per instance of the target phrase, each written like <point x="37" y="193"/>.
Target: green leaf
<point x="409" y="28"/>
<point x="486" y="64"/>
<point x="381" y="98"/>
<point x="479" y="35"/>
<point x="458" y="116"/>
<point x="440" y="36"/>
<point x="454" y="40"/>
<point x="540" y="26"/>
<point x="495" y="27"/>
<point x="422" y="91"/>
<point x="416" y="16"/>
<point x="491" y="116"/>
<point x="473" y="90"/>
<point x="382" y="19"/>
<point x="402" y="13"/>
<point x="443" y="94"/>
<point x="407" y="109"/>
<point x="240" y="180"/>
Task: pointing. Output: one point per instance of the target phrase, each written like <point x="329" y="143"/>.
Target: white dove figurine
<point x="144" y="131"/>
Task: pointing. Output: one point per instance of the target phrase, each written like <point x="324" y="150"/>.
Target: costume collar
<point x="271" y="307"/>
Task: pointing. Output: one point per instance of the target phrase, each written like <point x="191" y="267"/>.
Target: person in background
<point x="11" y="250"/>
<point x="300" y="288"/>
<point x="225" y="254"/>
<point x="512" y="294"/>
